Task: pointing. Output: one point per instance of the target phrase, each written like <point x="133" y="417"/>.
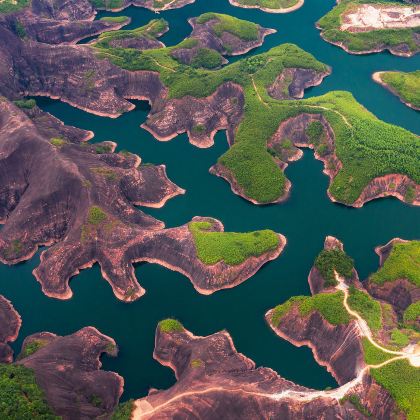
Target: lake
<point x="305" y="219"/>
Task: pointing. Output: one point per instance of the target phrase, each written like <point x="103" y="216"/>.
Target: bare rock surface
<point x="68" y="371"/>
<point x="79" y="199"/>
<point x="9" y="329"/>
<point x="58" y="21"/>
<point x="214" y="380"/>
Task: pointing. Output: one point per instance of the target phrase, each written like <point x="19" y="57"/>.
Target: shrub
<point x="367" y="307"/>
<point x="402" y="263"/>
<point x="170" y="326"/>
<point x="25" y="103"/>
<point x="123" y="411"/>
<point x="20" y="396"/>
<point x="232" y="248"/>
<point x="96" y="216"/>
<point x="332" y="260"/>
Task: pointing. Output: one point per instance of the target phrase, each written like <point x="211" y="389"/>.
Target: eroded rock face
<point x="9" y="329"/>
<point x="68" y="370"/>
<point x="400" y="293"/>
<point x="337" y="347"/>
<point x="292" y="82"/>
<point x="58" y="21"/>
<point x="368" y="17"/>
<point x="149" y="4"/>
<point x="201" y="118"/>
<point x="80" y="199"/>
<point x="215" y="381"/>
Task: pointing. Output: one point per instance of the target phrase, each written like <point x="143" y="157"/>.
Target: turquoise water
<point x="306" y="218"/>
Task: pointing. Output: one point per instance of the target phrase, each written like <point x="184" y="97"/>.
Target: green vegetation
<point x="247" y="31"/>
<point x="355" y="400"/>
<point x="207" y="59"/>
<point x="115" y="19"/>
<point x="366" y="146"/>
<point x="281" y="310"/>
<point x="373" y="355"/>
<point x="10" y="6"/>
<point x="57" y="142"/>
<point x="329" y="305"/>
<point x="402" y="263"/>
<point x="268" y="4"/>
<point x="232" y="248"/>
<point x="170" y="326"/>
<point x="123" y="411"/>
<point x="25" y="103"/>
<point x="151" y="31"/>
<point x="107" y="4"/>
<point x="405" y="85"/>
<point x="19" y="29"/>
<point x="402" y="382"/>
<point x="31" y="348"/>
<point x="364" y="41"/>
<point x="332" y="260"/>
<point x="107" y="173"/>
<point x="412" y="315"/>
<point x="96" y="216"/>
<point x="410" y="194"/>
<point x="367" y="307"/>
<point x="399" y="338"/>
<point x="103" y="148"/>
<point x="20" y="396"/>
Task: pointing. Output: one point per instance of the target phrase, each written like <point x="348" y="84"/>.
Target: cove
<point x="305" y="219"/>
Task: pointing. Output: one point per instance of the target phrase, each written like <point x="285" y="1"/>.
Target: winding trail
<point x="258" y="93"/>
<point x="143" y="409"/>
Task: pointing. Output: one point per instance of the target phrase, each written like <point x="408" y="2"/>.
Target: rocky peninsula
<point x="9" y="329"/>
<point x="86" y="212"/>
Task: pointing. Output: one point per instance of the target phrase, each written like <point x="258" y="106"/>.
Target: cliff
<point x="9" y="329"/>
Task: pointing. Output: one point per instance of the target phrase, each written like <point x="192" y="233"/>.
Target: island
<point x="253" y="99"/>
<point x="368" y="343"/>
<point x="404" y="85"/>
<point x="363" y="27"/>
<point x="269" y="6"/>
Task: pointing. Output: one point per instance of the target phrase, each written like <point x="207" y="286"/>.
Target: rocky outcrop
<point x="337" y="347"/>
<point x="9" y="329"/>
<point x="400" y="292"/>
<point x="226" y="43"/>
<point x="201" y="118"/>
<point x="58" y="22"/>
<point x="85" y="211"/>
<point x="68" y="370"/>
<point x="316" y="280"/>
<point x="392" y="185"/>
<point x="292" y="82"/>
<point x="215" y="381"/>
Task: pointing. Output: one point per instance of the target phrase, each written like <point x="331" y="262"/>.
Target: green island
<point x="405" y="85"/>
<point x="402" y="263"/>
<point x="20" y="396"/>
<point x="366" y="146"/>
<point x="370" y="40"/>
<point x="269" y="5"/>
<point x="334" y="260"/>
<point x="230" y="247"/>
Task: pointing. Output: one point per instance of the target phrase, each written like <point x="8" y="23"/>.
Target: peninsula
<point x="404" y="85"/>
